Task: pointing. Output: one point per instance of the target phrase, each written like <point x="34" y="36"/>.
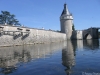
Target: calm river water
<point x="65" y="58"/>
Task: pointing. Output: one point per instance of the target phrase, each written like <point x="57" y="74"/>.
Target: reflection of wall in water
<point x="92" y="44"/>
<point x="80" y="44"/>
<point x="99" y="43"/>
<point x="77" y="44"/>
<point x="68" y="58"/>
<point x="10" y="56"/>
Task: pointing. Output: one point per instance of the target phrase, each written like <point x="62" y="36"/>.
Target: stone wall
<point x="78" y="34"/>
<point x="13" y="35"/>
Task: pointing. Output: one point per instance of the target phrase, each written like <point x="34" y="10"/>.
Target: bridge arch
<point x="91" y="33"/>
<point x="87" y="36"/>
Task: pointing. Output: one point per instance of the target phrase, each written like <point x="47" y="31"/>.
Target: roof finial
<point x="65" y="8"/>
<point x="65" y="5"/>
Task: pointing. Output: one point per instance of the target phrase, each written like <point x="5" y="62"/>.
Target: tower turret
<point x="66" y="21"/>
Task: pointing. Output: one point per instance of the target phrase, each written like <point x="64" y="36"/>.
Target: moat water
<point x="81" y="57"/>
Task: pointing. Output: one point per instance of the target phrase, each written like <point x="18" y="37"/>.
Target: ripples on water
<point x="65" y="58"/>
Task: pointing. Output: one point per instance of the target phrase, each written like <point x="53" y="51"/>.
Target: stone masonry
<point x="13" y="35"/>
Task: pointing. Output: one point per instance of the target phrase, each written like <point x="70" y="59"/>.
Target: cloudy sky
<point x="46" y="13"/>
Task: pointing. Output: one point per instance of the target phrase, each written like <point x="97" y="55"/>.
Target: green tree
<point x="6" y="17"/>
<point x="73" y="27"/>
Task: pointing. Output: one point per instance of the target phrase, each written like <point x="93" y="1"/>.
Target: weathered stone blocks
<point x="13" y="36"/>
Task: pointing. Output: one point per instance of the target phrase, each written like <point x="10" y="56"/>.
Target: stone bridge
<point x="91" y="33"/>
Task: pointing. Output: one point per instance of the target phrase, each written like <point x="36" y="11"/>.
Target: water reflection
<point x="92" y="44"/>
<point x="68" y="58"/>
<point x="69" y="52"/>
<point x="11" y="57"/>
<point x="89" y="44"/>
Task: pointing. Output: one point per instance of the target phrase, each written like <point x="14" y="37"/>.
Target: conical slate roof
<point x="65" y="10"/>
<point x="66" y="14"/>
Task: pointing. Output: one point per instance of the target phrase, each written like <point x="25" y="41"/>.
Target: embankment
<point x="15" y="35"/>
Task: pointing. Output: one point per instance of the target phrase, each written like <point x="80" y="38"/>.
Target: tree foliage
<point x="73" y="27"/>
<point x="6" y="17"/>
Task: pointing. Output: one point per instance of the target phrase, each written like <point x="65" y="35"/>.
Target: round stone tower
<point x="66" y="21"/>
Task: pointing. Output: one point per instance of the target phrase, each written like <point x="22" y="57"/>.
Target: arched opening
<point x="88" y="36"/>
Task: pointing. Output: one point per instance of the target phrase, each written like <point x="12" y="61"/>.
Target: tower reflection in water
<point x="69" y="52"/>
<point x="68" y="58"/>
<point x="11" y="57"/>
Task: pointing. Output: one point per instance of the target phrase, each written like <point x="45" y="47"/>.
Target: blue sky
<point x="46" y="13"/>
